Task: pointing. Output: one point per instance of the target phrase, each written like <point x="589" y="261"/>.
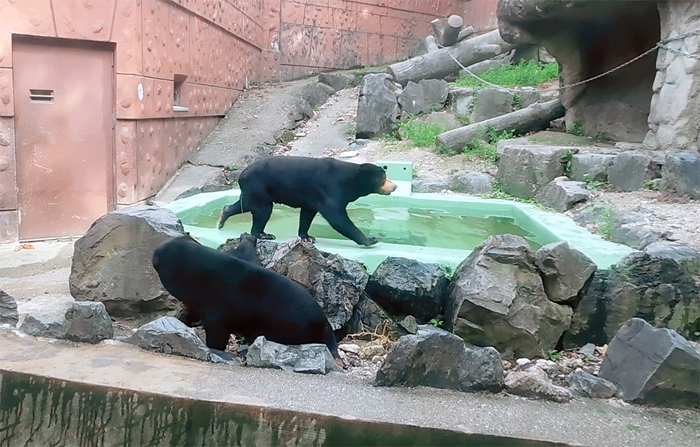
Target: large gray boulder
<point x="490" y="103"/>
<point x="496" y="298"/>
<point x="405" y="286"/>
<point x="88" y="322"/>
<point x="429" y="186"/>
<point x="631" y="170"/>
<point x="653" y="365"/>
<point x="636" y="235"/>
<point x="313" y="358"/>
<point x="48" y="321"/>
<point x="562" y="194"/>
<point x="472" y="182"/>
<point x="681" y="173"/>
<point x="591" y="167"/>
<point x="168" y="335"/>
<point x="523" y="170"/>
<point x="368" y="316"/>
<point x="335" y="282"/>
<point x="337" y="81"/>
<point x="264" y="249"/>
<point x="461" y="101"/>
<point x="533" y="382"/>
<point x="412" y="99"/>
<point x="564" y="271"/>
<point x="112" y="261"/>
<point x="435" y="358"/>
<point x="378" y="109"/>
<point x="585" y="384"/>
<point x="659" y="284"/>
<point x="8" y="309"/>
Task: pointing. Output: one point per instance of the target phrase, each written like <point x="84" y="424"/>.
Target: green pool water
<point x="422" y="227"/>
<point x="435" y="228"/>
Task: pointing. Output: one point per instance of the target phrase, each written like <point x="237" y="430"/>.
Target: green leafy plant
<point x="588" y="358"/>
<point x="576" y="129"/>
<point x="436" y="323"/>
<point x="592" y="185"/>
<point x="633" y="427"/>
<point x="421" y="134"/>
<point x="553" y="355"/>
<point x="485" y="148"/>
<point x="231" y="167"/>
<point x="448" y="271"/>
<point x="566" y="160"/>
<point x="524" y="74"/>
<point x="517" y="101"/>
<point x="607" y="220"/>
<point x="351" y="129"/>
<point x="652" y="185"/>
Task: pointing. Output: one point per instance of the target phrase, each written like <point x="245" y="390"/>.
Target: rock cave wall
<point x="674" y="121"/>
<point x="587" y="39"/>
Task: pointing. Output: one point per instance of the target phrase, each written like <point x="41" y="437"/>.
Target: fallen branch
<point x="438" y="64"/>
<point x="534" y="117"/>
<point x="466" y="32"/>
<point x="430" y="44"/>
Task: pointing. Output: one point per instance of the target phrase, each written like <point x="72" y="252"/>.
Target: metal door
<point x="63" y="121"/>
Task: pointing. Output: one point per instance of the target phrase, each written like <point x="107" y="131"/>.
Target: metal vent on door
<point x="40" y="95"/>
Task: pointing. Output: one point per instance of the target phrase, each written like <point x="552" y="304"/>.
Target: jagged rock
<point x="370" y="314"/>
<point x="523" y="170"/>
<point x="429" y="186"/>
<point x="637" y="236"/>
<point x="587" y="349"/>
<point x="409" y="324"/>
<point x="335" y="282"/>
<point x="407" y="287"/>
<point x="50" y="324"/>
<point x="564" y="271"/>
<point x="412" y="99"/>
<point x="88" y="322"/>
<point x="591" y="167"/>
<point x="112" y="261"/>
<point x="264" y="249"/>
<point x="378" y="109"/>
<point x="8" y="309"/>
<point x="435" y="358"/>
<point x="653" y="365"/>
<point x="435" y="92"/>
<point x="445" y="120"/>
<point x="658" y="284"/>
<point x="562" y="194"/>
<point x="472" y="182"/>
<point x="313" y="358"/>
<point x="316" y="94"/>
<point x="528" y="95"/>
<point x="496" y="298"/>
<point x="533" y="382"/>
<point x="594" y="213"/>
<point x="490" y="103"/>
<point x="169" y="335"/>
<point x="585" y="384"/>
<point x="337" y="81"/>
<point x="630" y="170"/>
<point x="681" y="173"/>
<point x="461" y="101"/>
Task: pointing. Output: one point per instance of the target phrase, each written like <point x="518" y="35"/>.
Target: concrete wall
<point x="214" y="45"/>
<point x="308" y="36"/>
<point x="481" y="14"/>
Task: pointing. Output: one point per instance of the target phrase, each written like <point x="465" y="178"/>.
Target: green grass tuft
<point x="421" y="134"/>
<point x="525" y="74"/>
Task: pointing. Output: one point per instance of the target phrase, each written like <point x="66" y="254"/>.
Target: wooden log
<point x="438" y="64"/>
<point x="466" y="32"/>
<point x="534" y="117"/>
<point x="430" y="44"/>
<point x="446" y="30"/>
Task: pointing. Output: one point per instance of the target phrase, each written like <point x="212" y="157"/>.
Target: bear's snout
<point x="388" y="187"/>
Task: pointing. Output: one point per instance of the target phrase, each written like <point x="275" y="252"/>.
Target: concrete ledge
<point x="45" y="383"/>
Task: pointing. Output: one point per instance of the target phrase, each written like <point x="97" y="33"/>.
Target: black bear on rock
<point x="232" y="296"/>
<point x="315" y="185"/>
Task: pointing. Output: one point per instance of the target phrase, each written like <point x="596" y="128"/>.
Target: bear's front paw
<point x="371" y="241"/>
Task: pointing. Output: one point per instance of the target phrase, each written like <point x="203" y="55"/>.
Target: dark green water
<point x="424" y="227"/>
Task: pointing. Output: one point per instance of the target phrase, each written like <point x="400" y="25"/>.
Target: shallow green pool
<point x="427" y="227"/>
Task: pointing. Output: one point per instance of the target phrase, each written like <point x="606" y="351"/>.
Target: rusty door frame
<point x="48" y="42"/>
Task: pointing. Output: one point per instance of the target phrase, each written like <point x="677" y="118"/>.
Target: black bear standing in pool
<point x="316" y="185"/>
<point x="234" y="296"/>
